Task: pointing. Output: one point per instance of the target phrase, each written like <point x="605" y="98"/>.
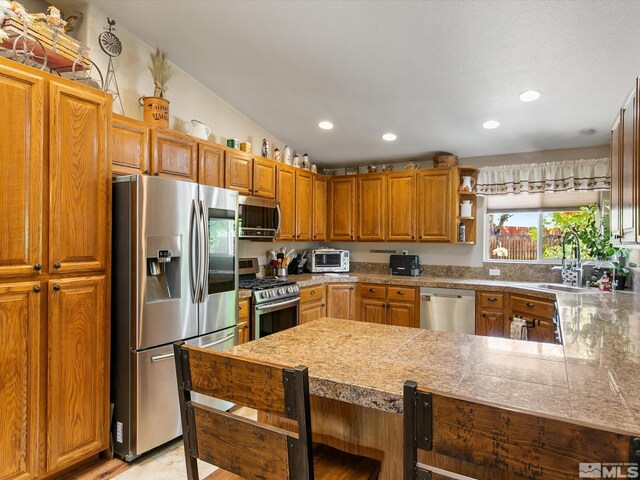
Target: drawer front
<point x="531" y="307"/>
<point x="408" y="294"/>
<point x="368" y="290"/>
<point x="312" y="294"/>
<point x="243" y="310"/>
<point x="491" y="299"/>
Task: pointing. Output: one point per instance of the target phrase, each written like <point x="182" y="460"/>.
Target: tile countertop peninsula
<point x="591" y="379"/>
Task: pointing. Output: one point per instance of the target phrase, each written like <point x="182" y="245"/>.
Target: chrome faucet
<point x="576" y="263"/>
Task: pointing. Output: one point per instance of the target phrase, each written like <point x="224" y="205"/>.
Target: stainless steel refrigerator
<point x="175" y="277"/>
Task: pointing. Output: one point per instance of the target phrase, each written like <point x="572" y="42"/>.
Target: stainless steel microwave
<point x="328" y="260"/>
<point x="258" y="218"/>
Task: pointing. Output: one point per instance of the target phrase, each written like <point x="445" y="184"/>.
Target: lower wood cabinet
<point x="313" y="303"/>
<point x="496" y="310"/>
<point x="21" y="371"/>
<point x="341" y="300"/>
<point x="78" y="371"/>
<point x="389" y="305"/>
<point x="244" y="320"/>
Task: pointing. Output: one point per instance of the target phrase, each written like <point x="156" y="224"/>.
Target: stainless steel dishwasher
<point x="448" y="310"/>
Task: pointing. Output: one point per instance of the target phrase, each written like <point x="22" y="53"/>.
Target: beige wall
<point x="189" y="98"/>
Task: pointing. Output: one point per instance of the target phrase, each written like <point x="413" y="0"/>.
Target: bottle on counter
<point x="462" y="232"/>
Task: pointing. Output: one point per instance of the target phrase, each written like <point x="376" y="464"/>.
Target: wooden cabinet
<point x="342" y="208"/>
<point x="628" y="170"/>
<point x="490" y="323"/>
<point x="174" y="155"/>
<point x="304" y="205"/>
<point x="390" y="305"/>
<point x="80" y="184"/>
<point x="313" y="304"/>
<point x="401" y="207"/>
<point x="435" y="210"/>
<point x="319" y="208"/>
<point x="78" y="379"/>
<point x="244" y="320"/>
<point x="341" y="300"/>
<point x="264" y="178"/>
<point x="616" y="181"/>
<point x="210" y="165"/>
<point x="129" y="146"/>
<point x="22" y="167"/>
<point x="287" y="197"/>
<point x="250" y="176"/>
<point x="372" y="204"/>
<point x="20" y="376"/>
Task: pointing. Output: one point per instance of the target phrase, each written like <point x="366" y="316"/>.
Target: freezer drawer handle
<point x="218" y="342"/>
<point x="159" y="358"/>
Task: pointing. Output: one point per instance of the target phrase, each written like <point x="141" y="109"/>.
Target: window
<point x="531" y="236"/>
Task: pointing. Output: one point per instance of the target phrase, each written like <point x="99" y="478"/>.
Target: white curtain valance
<point x="566" y="176"/>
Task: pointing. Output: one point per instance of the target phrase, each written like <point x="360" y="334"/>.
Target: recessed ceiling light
<point x="389" y="137"/>
<point x="491" y="124"/>
<point x="325" y="125"/>
<point x="529" y="96"/>
<point x="588" y="131"/>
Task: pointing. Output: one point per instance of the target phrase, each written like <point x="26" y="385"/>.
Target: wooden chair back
<point x="460" y="437"/>
<point x="242" y="446"/>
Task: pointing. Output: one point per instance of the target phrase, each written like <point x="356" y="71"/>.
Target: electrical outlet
<point x="405" y="252"/>
<point x="494" y="272"/>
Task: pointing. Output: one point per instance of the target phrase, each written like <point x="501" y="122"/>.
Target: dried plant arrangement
<point x="161" y="71"/>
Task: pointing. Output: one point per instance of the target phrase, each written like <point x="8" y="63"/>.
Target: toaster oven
<point x="328" y="260"/>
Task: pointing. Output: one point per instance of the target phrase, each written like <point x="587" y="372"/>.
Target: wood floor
<point x="164" y="463"/>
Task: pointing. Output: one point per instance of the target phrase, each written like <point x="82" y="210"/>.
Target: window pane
<point x="554" y="224"/>
<point x="513" y="236"/>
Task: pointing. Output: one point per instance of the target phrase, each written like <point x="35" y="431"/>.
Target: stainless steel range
<point x="275" y="301"/>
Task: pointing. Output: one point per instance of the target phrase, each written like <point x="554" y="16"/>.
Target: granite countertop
<point x="592" y="379"/>
<point x="244" y="293"/>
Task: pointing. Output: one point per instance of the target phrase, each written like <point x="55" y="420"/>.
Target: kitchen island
<point x="357" y="371"/>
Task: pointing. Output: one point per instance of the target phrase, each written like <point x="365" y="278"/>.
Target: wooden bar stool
<point x="245" y="448"/>
<point x="466" y="439"/>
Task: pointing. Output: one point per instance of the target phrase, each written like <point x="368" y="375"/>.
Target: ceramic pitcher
<point x="467" y="184"/>
<point x="200" y="130"/>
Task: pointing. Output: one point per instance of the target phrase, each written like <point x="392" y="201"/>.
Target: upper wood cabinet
<point x="435" y="210"/>
<point x="21" y="181"/>
<point x="372" y="204"/>
<point x="210" y="165"/>
<point x="341" y="300"/>
<point x="629" y="170"/>
<point x="21" y="373"/>
<point x="238" y="172"/>
<point x="342" y="208"/>
<point x="401" y="207"/>
<point x="287" y="198"/>
<point x="304" y="205"/>
<point x="616" y="150"/>
<point x="80" y="184"/>
<point x="264" y="178"/>
<point x="129" y="146"/>
<point x="78" y="400"/>
<point x="174" y="155"/>
<point x="319" y="208"/>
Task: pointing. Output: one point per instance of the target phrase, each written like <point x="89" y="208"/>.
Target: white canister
<point x="466" y="208"/>
<point x="286" y="155"/>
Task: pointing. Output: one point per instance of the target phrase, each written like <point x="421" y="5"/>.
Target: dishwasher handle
<point x="427" y="297"/>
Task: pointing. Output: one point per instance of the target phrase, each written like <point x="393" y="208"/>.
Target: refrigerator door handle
<point x="218" y="342"/>
<point x="205" y="253"/>
<point x="195" y="282"/>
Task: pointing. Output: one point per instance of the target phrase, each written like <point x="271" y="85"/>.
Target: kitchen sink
<point x="562" y="288"/>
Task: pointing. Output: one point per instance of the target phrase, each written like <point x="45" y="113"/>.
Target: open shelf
<point x="462" y="192"/>
<point x="466" y="218"/>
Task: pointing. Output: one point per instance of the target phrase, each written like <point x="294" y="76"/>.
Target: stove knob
<point x="281" y="291"/>
<point x="261" y="295"/>
<point x="267" y="294"/>
<point x="291" y="289"/>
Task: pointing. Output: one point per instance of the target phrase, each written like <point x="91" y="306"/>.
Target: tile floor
<point x="164" y="463"/>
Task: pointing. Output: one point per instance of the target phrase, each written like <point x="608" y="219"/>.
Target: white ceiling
<point x="432" y="71"/>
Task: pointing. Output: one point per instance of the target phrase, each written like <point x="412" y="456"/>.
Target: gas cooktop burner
<point x="257" y="284"/>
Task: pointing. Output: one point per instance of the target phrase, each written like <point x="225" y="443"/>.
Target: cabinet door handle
<point x="37" y="289"/>
<point x="37" y="267"/>
<point x="157" y="174"/>
<point x="531" y="304"/>
<point x="57" y="265"/>
<point x="146" y="172"/>
<point x="373" y="290"/>
<point x="312" y="292"/>
<point x="256" y="191"/>
<point x="400" y="292"/>
<point x="56" y="288"/>
<point x="484" y="315"/>
<point x="492" y="299"/>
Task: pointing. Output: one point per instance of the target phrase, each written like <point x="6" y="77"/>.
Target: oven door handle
<point x="270" y="306"/>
